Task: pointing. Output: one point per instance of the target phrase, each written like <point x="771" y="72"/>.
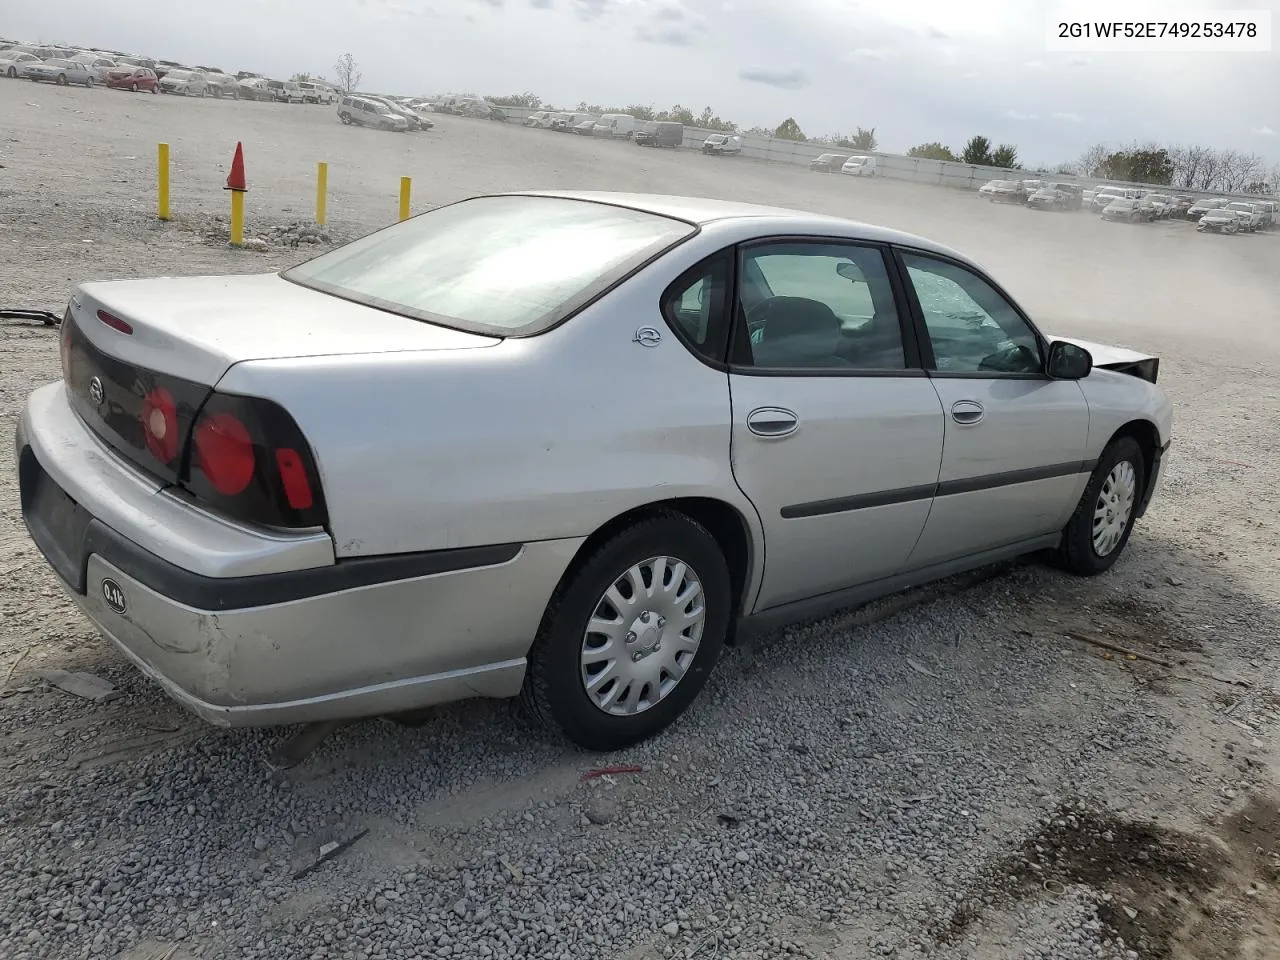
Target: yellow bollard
<point x="237" y="218"/>
<point x="162" y="181"/>
<point x="322" y="186"/>
<point x="405" y="184"/>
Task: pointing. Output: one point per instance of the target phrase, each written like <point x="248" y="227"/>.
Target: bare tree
<point x="1091" y="160"/>
<point x="348" y="71"/>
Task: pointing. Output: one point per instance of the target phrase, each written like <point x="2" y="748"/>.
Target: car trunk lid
<point x="134" y="347"/>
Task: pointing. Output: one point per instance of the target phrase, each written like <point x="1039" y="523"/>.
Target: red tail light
<point x="224" y="453"/>
<point x="115" y="323"/>
<point x="250" y="461"/>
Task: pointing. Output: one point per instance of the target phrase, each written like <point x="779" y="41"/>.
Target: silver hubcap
<point x="642" y="636"/>
<point x="1114" y="508"/>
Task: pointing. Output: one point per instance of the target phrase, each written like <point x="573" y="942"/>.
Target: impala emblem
<point x="96" y="393"/>
<point x="647" y="337"/>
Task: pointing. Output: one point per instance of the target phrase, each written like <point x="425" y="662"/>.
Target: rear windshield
<point x="506" y="266"/>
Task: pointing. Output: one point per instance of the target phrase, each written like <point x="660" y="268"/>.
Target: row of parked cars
<point x="1138" y="204"/>
<point x="615" y="126"/>
<point x="67" y="66"/>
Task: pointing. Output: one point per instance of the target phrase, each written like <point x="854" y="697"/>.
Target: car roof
<point x="703" y="211"/>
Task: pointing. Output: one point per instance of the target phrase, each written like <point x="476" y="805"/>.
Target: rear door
<point x="837" y="432"/>
<point x="1014" y="454"/>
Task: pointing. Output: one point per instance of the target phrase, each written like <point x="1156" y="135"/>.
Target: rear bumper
<point x="338" y="639"/>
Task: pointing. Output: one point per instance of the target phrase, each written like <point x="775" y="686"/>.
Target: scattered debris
<point x="920" y="668"/>
<point x="729" y="819"/>
<point x="14" y="666"/>
<point x="516" y="873"/>
<point x="32" y="317"/>
<point x="83" y="685"/>
<point x="328" y="852"/>
<point x="1107" y="645"/>
<point x="611" y="771"/>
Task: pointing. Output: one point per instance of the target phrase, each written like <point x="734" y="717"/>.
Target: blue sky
<point x="916" y="70"/>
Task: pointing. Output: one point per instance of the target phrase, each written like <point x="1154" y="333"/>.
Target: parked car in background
<point x="185" y="83"/>
<point x="1180" y="205"/>
<point x="859" y="166"/>
<point x="722" y="145"/>
<point x="135" y="79"/>
<point x="1218" y="220"/>
<point x="284" y="91"/>
<point x="660" y="133"/>
<point x="1004" y="191"/>
<point x="1201" y="207"/>
<point x="1071" y="193"/>
<point x="12" y="62"/>
<point x="1104" y="195"/>
<point x="1048" y="198"/>
<point x="1163" y="204"/>
<point x="223" y="85"/>
<point x="98" y="64"/>
<point x="315" y="92"/>
<point x="539" y="118"/>
<point x="584" y="128"/>
<point x="254" y="88"/>
<point x="413" y="120"/>
<point x="1129" y="210"/>
<point x="619" y="126"/>
<point x="828" y="162"/>
<point x="61" y="72"/>
<point x="365" y="112"/>
<point x="1250" y="215"/>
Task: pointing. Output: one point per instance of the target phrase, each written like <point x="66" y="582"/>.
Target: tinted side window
<point x="696" y="306"/>
<point x="819" y="305"/>
<point x="971" y="326"/>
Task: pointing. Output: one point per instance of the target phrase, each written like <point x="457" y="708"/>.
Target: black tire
<point x="553" y="693"/>
<point x="12" y="73"/>
<point x="133" y="88"/>
<point x="1077" y="553"/>
<point x="88" y="84"/>
<point x="62" y="79"/>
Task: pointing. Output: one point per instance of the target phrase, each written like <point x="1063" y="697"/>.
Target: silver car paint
<point x="424" y="444"/>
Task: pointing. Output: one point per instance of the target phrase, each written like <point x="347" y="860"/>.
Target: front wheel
<point x="1098" y="531"/>
<point x="62" y="79"/>
<point x="631" y="636"/>
<point x="89" y="83"/>
<point x="12" y="73"/>
<point x="133" y="88"/>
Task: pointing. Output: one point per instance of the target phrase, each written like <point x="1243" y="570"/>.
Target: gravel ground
<point x="960" y="772"/>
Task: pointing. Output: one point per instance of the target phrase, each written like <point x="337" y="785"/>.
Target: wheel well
<point x="721" y="520"/>
<point x="1143" y="431"/>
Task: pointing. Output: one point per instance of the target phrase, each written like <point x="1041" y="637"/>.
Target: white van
<point x="859" y="166"/>
<point x="620" y="125"/>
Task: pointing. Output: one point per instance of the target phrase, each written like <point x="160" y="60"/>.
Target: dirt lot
<point x="962" y="772"/>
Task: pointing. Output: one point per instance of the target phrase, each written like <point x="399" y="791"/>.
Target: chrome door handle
<point x="773" y="422"/>
<point x="967" y="412"/>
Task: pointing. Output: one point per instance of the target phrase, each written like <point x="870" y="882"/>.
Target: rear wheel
<point x="12" y="73"/>
<point x="1098" y="531"/>
<point x="89" y="83"/>
<point x="133" y="88"/>
<point x="630" y="638"/>
<point x="62" y="79"/>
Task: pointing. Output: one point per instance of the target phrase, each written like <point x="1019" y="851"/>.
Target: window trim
<point x="925" y="345"/>
<point x="716" y="360"/>
<point x="912" y="356"/>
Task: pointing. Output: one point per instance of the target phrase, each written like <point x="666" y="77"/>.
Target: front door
<point x="1013" y="457"/>
<point x="837" y="431"/>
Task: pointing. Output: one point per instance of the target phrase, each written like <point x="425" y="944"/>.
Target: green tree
<point x="788" y="129"/>
<point x="640" y="111"/>
<point x="1138" y="165"/>
<point x="864" y="139"/>
<point x="301" y="78"/>
<point x="932" y="151"/>
<point x="977" y="151"/>
<point x="530" y="101"/>
<point x="1005" y="156"/>
<point x="677" y="114"/>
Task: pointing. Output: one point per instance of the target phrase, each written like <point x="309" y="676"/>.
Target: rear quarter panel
<point x="531" y="439"/>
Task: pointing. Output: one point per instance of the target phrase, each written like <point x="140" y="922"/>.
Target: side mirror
<point x="1068" y="361"/>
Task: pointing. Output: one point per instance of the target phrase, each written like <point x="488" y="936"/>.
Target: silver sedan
<point x="562" y="446"/>
<point x="61" y="72"/>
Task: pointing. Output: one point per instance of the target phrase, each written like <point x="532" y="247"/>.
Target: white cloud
<point x="1262" y="132"/>
<point x="1068" y="117"/>
<point x="1017" y="115"/>
<point x="869" y="53"/>
<point x="1034" y="65"/>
